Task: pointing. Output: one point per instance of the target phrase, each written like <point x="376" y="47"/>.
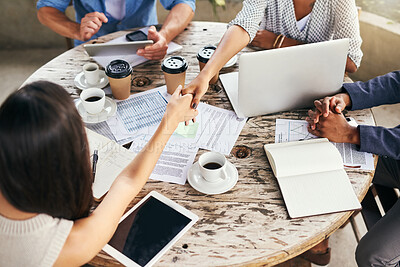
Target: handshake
<point x="327" y="120"/>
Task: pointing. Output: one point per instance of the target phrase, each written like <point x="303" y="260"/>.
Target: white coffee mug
<point x="213" y="166"/>
<point x="93" y="100"/>
<point x="92" y="73"/>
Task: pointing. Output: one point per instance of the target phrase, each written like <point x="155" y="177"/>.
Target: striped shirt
<point x="329" y="19"/>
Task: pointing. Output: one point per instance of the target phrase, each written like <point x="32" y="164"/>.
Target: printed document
<point x="174" y="162"/>
<point x="139" y="114"/>
<point x="296" y="130"/>
<point x="219" y="128"/>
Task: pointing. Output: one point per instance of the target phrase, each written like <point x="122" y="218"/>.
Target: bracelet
<point x="281" y="42"/>
<point x="276" y="40"/>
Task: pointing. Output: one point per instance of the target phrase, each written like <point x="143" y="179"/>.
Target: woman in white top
<point x="283" y="23"/>
<point x="46" y="181"/>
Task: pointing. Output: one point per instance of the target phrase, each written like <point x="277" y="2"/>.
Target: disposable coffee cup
<point x="174" y="69"/>
<point x="119" y="74"/>
<point x="203" y="56"/>
<point x="213" y="167"/>
<point x="92" y="73"/>
<point x="93" y="100"/>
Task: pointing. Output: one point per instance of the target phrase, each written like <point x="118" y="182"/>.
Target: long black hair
<point x="44" y="154"/>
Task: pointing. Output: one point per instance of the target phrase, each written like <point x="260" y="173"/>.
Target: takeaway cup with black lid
<point x="203" y="56"/>
<point x="174" y="69"/>
<point x="119" y="74"/>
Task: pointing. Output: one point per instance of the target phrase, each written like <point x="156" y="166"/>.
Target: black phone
<point x="136" y="36"/>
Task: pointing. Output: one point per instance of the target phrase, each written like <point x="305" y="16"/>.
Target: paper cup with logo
<point x="203" y="56"/>
<point x="119" y="74"/>
<point x="174" y="69"/>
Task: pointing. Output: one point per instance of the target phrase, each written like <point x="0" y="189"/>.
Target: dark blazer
<point x="378" y="91"/>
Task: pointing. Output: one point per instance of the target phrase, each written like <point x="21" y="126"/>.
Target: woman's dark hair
<point x="44" y="154"/>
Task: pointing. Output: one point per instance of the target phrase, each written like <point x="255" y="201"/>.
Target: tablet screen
<point x="147" y="230"/>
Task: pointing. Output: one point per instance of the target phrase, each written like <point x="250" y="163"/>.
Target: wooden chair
<point x="378" y="200"/>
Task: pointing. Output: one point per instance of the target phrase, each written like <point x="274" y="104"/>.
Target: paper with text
<point x="296" y="130"/>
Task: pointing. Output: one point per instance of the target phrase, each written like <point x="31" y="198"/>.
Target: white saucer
<point x="110" y="107"/>
<point x="81" y="83"/>
<point x="231" y="62"/>
<point x="203" y="186"/>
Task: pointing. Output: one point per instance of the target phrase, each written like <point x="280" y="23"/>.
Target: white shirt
<point x="115" y="8"/>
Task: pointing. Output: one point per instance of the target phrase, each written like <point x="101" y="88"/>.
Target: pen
<point x="95" y="158"/>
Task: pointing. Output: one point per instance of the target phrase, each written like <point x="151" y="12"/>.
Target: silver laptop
<point x="287" y="78"/>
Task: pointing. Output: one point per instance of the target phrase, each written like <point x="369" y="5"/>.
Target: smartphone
<point x="136" y="36"/>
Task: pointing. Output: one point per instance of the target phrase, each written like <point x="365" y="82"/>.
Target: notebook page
<point x="318" y="193"/>
<point x="113" y="158"/>
<point x="302" y="157"/>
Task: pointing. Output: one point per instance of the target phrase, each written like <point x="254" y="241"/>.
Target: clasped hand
<point x="327" y="120"/>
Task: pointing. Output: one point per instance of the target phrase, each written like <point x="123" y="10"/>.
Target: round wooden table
<point x="248" y="224"/>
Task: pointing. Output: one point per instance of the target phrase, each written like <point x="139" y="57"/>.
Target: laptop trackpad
<point x="230" y="83"/>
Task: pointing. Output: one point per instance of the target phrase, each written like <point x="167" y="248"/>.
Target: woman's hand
<point x="179" y="109"/>
<point x="264" y="39"/>
<point x="197" y="88"/>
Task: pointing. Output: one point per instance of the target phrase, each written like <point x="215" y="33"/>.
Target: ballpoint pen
<point x="95" y="158"/>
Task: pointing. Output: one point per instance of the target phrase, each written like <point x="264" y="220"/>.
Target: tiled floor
<point x="17" y="66"/>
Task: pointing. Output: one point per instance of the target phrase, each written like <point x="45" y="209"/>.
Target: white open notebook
<point x="311" y="177"/>
<point x="113" y="158"/>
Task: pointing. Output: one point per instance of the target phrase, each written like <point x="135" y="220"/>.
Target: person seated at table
<point x="284" y="23"/>
<point x="46" y="178"/>
<point x="381" y="245"/>
<point x="97" y="18"/>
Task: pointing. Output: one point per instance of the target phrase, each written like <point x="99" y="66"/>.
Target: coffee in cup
<point x="92" y="73"/>
<point x="174" y="69"/>
<point x="203" y="56"/>
<point x="213" y="166"/>
<point x="93" y="100"/>
<point x="119" y="74"/>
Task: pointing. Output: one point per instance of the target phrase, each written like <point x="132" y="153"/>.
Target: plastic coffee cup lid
<point x="205" y="53"/>
<point x="118" y="69"/>
<point x="174" y="65"/>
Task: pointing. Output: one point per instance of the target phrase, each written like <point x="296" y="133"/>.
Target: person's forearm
<point x="127" y="185"/>
<point x="138" y="171"/>
<point x="234" y="40"/>
<point x="176" y="21"/>
<point x="377" y="91"/>
<point x="58" y="22"/>
<point x="350" y="66"/>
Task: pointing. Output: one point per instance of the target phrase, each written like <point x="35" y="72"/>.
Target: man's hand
<point x="264" y="39"/>
<point x="90" y="25"/>
<point x="156" y="51"/>
<point x="336" y="128"/>
<point x="336" y="104"/>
